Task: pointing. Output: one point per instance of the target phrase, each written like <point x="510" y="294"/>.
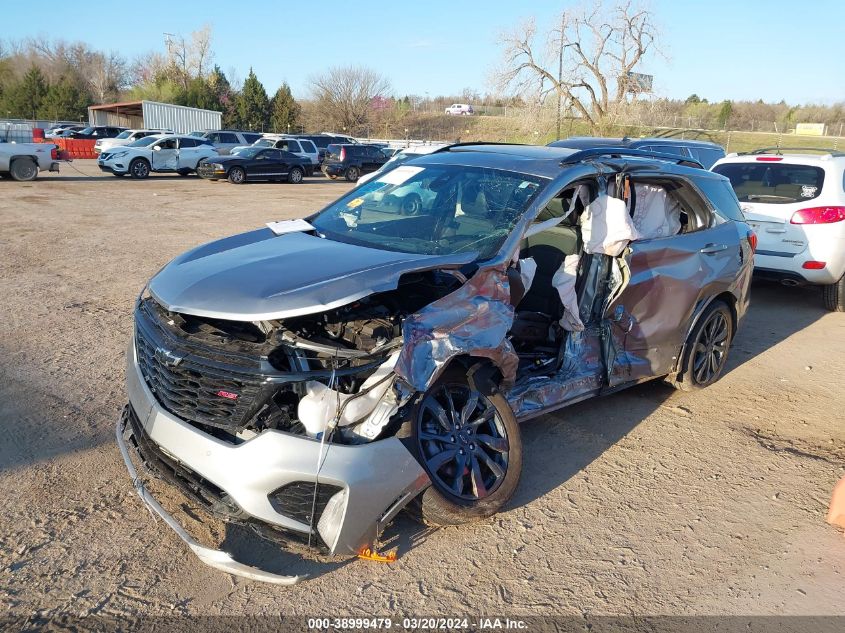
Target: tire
<point x="333" y="177"/>
<point x="139" y="168"/>
<point x="117" y="175"/>
<point x="352" y="174"/>
<point x="295" y="175"/>
<point x="491" y="466"/>
<point x="706" y="349"/>
<point x="834" y="296"/>
<point x="23" y="169"/>
<point x="411" y="204"/>
<point x="237" y="175"/>
<point x="184" y="172"/>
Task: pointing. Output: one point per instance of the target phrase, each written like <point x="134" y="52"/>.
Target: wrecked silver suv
<point x="314" y="377"/>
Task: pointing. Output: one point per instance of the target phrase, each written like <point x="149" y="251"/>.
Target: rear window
<point x="722" y="197"/>
<point x="226" y="137"/>
<point x="333" y="150"/>
<point x="251" y="138"/>
<point x="308" y="146"/>
<point x="706" y="155"/>
<point x="773" y="183"/>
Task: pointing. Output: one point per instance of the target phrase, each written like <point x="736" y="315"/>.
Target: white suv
<point x="124" y="138"/>
<point x="796" y="205"/>
<point x="160" y="152"/>
<point x="460" y="108"/>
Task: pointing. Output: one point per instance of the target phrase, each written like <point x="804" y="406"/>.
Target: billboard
<point x="639" y="83"/>
<point x="810" y="129"/>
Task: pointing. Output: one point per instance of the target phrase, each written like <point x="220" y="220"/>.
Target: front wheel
<point x="834" y="296"/>
<point x="184" y="172"/>
<point x="237" y="175"/>
<point x="706" y="350"/>
<point x="470" y="447"/>
<point x="295" y="175"/>
<point x="139" y="168"/>
<point x="352" y="174"/>
<point x="23" y="169"/>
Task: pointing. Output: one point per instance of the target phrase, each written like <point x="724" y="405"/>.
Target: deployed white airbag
<point x="656" y="214"/>
<point x="564" y="282"/>
<point x="606" y="226"/>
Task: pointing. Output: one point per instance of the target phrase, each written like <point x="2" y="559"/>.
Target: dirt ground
<point x="650" y="501"/>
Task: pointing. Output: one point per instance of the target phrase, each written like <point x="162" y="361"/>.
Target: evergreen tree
<point x="24" y="98"/>
<point x="725" y="112"/>
<point x="225" y="97"/>
<point x="253" y="104"/>
<point x="284" y="110"/>
<point x="64" y="100"/>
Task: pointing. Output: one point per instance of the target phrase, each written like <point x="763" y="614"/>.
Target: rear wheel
<point x="139" y="168"/>
<point x="834" y="296"/>
<point x="237" y="176"/>
<point x="352" y="174"/>
<point x="706" y="350"/>
<point x="23" y="169"/>
<point x="295" y="175"/>
<point x="183" y="172"/>
<point x="470" y="446"/>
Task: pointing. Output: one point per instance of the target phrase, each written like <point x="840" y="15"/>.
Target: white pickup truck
<point x="23" y="161"/>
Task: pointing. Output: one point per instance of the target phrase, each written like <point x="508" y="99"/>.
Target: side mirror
<point x="157" y="148"/>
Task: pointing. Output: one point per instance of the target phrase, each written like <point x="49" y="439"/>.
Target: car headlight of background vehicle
<point x="216" y="166"/>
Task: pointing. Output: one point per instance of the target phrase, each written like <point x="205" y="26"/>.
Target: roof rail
<point x="446" y="148"/>
<point x="781" y="150"/>
<point x="620" y="152"/>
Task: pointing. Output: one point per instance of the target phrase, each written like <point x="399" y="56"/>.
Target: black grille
<point x="191" y="386"/>
<point x="296" y="500"/>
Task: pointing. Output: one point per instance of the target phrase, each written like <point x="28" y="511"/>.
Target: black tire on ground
<point x="352" y="174"/>
<point x="309" y="171"/>
<point x="706" y="349"/>
<point x="834" y="296"/>
<point x="295" y="175"/>
<point x="184" y="172"/>
<point x="237" y="175"/>
<point x="23" y="169"/>
<point x="139" y="168"/>
<point x="117" y="175"/>
<point x="470" y="446"/>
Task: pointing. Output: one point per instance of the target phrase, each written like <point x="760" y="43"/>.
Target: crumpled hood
<point x="259" y="275"/>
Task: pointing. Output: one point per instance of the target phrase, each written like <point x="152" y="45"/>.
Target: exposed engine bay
<point x="299" y="375"/>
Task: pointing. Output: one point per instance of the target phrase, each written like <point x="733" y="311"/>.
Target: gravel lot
<point x="646" y="502"/>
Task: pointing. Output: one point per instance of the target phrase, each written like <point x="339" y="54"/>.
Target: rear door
<point x="668" y="279"/>
<point x="770" y="190"/>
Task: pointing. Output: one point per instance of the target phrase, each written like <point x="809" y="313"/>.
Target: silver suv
<point x="225" y="140"/>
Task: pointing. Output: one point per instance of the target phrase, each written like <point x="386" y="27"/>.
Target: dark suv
<point x="351" y="161"/>
<point x="97" y="131"/>
<point x="703" y="152"/>
<point x="322" y="141"/>
<point x="312" y="377"/>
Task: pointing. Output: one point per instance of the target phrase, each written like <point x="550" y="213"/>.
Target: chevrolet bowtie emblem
<point x="166" y="357"/>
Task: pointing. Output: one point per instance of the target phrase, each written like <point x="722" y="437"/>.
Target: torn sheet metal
<point x="581" y="374"/>
<point x="474" y="320"/>
<point x="606" y="226"/>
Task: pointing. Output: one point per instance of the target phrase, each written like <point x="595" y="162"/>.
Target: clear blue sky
<point x="738" y="49"/>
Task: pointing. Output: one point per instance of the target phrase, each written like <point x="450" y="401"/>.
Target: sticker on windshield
<point x="400" y="174"/>
<point x="808" y="192"/>
<point x="357" y="202"/>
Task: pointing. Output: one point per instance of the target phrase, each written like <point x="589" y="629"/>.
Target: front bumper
<point x="113" y="168"/>
<point x="377" y="479"/>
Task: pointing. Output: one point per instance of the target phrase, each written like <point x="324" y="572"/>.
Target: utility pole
<point x="560" y="71"/>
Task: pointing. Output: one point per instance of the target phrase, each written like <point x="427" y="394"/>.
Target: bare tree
<point x="344" y="95"/>
<point x="189" y="58"/>
<point x="586" y="60"/>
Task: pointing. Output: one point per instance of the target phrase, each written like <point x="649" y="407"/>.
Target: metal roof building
<point x="154" y="115"/>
